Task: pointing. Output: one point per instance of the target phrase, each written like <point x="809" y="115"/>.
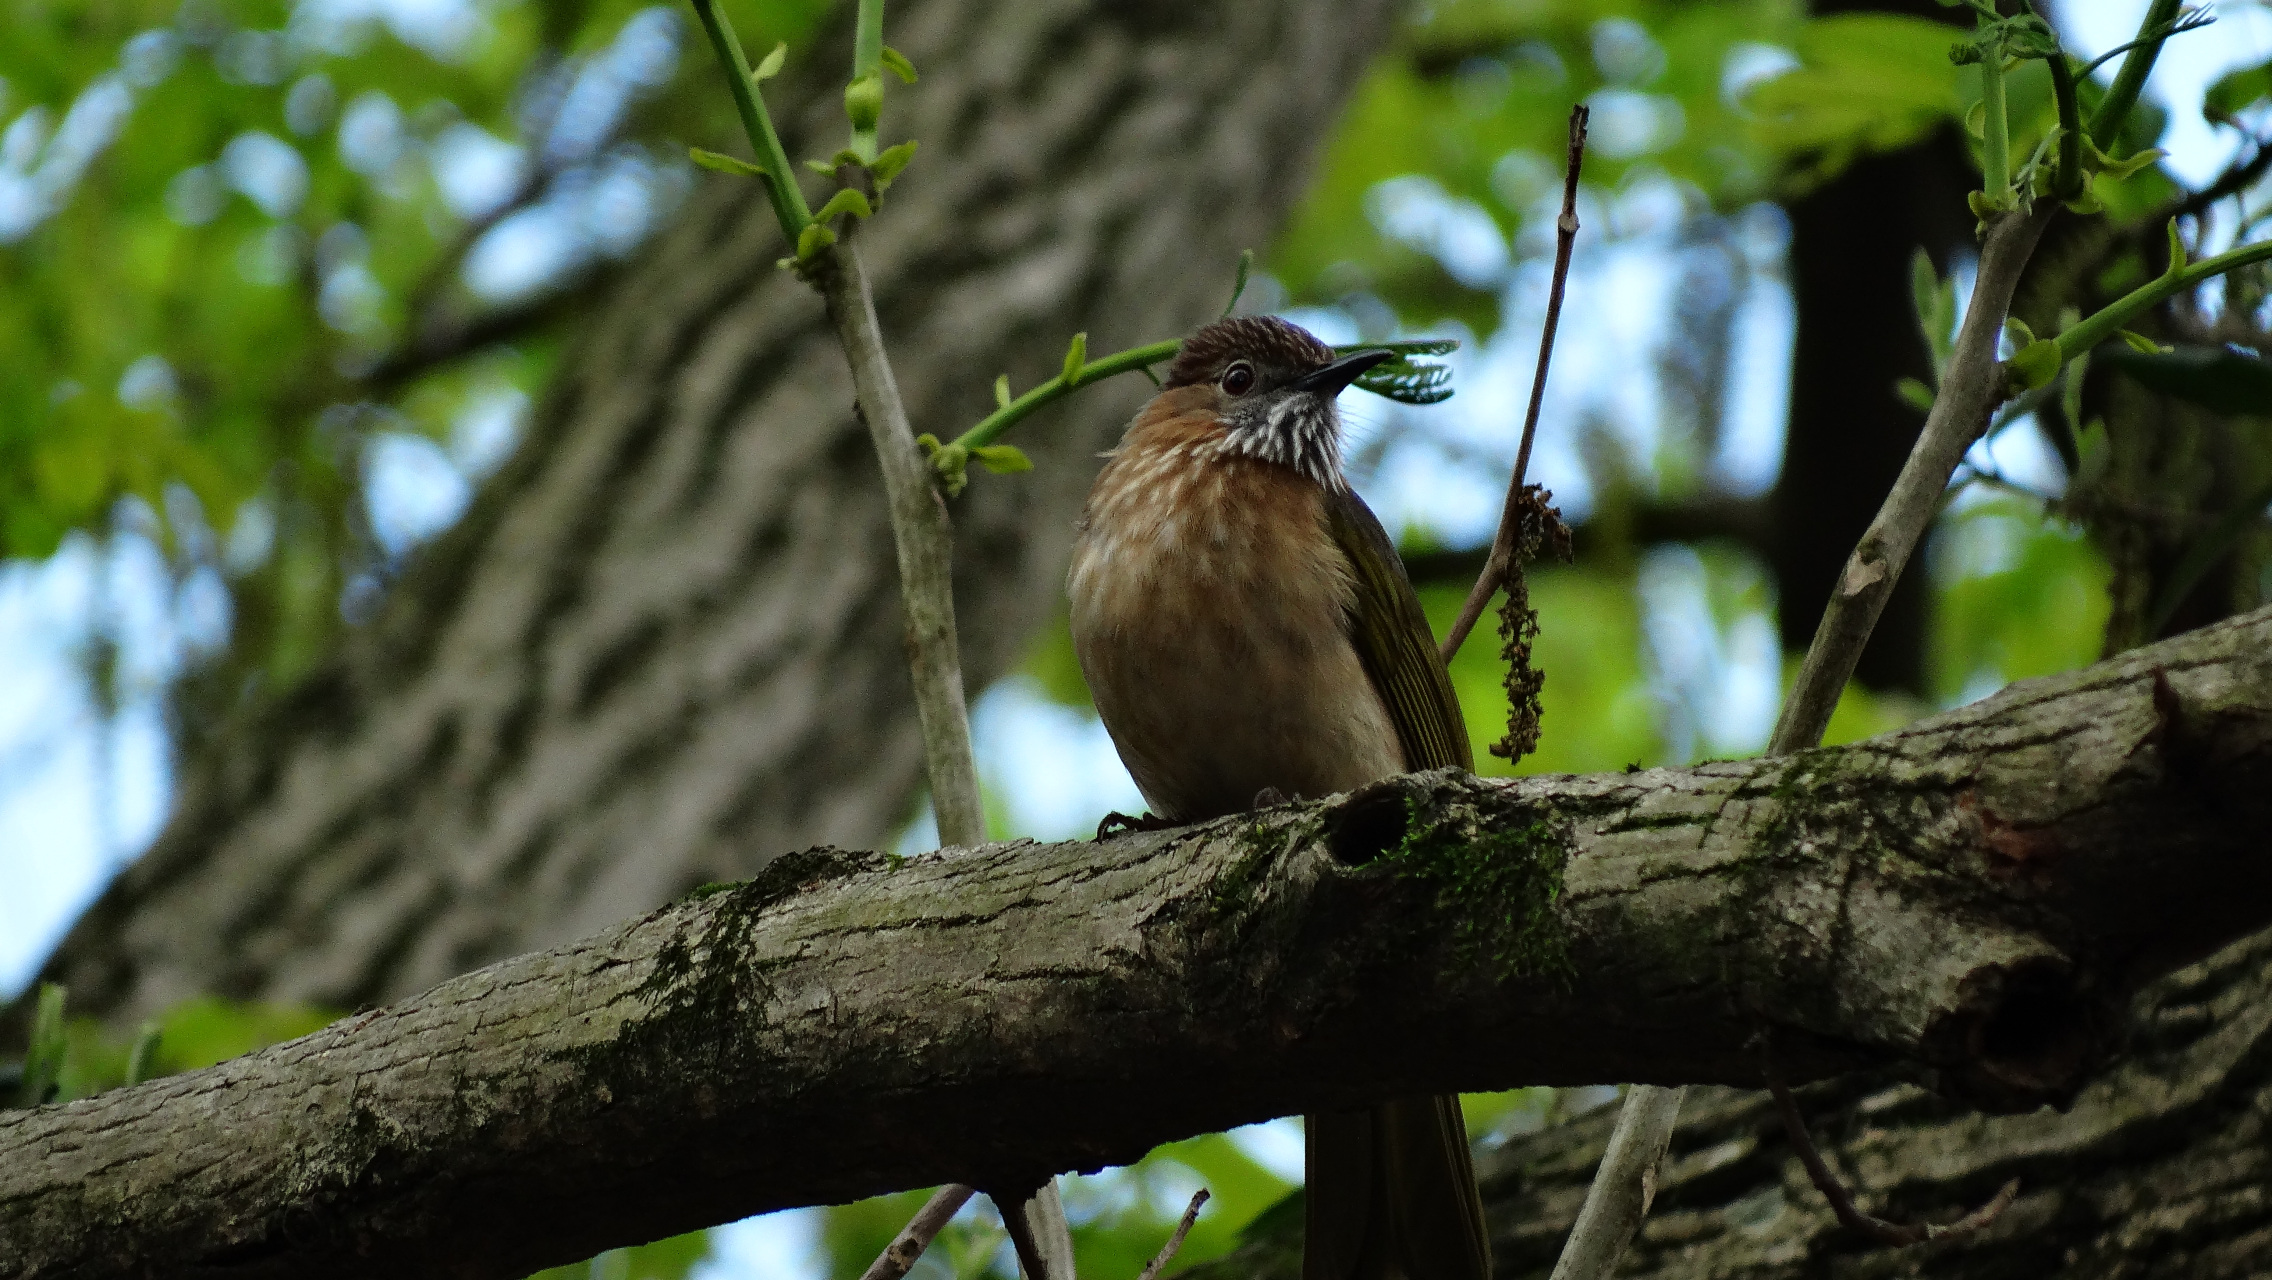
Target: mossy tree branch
<point x="1969" y="898"/>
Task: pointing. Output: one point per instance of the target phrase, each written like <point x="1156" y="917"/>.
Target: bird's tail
<point x="1391" y="1195"/>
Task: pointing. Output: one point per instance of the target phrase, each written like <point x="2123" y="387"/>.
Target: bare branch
<point x="924" y="541"/>
<point x="920" y="1231"/>
<point x="1971" y="388"/>
<point x="1167" y="1251"/>
<point x="1625" y="1184"/>
<point x="1503" y="543"/>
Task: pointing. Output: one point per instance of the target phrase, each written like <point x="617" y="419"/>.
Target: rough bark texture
<point x="1970" y="899"/>
<point x="665" y="645"/>
<point x="2159" y="1168"/>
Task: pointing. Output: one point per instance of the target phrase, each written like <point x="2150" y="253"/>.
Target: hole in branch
<point x="1372" y="822"/>
<point x="2041" y="1034"/>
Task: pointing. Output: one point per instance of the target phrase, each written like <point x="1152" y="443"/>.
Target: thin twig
<point x="1503" y="542"/>
<point x="922" y="538"/>
<point x="920" y="1231"/>
<point x="1841" y="1201"/>
<point x="1623" y="1186"/>
<point x="1970" y="389"/>
<point x="1175" y="1242"/>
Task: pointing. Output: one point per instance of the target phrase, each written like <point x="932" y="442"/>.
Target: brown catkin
<point x="1540" y="528"/>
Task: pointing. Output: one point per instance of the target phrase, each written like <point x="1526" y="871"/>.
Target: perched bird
<point x="1248" y="633"/>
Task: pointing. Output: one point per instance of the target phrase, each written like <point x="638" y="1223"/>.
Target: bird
<point x="1249" y="635"/>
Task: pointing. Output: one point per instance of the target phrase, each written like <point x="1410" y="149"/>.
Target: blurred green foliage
<point x="233" y="236"/>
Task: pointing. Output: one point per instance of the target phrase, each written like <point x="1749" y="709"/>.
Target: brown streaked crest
<point x="1266" y="340"/>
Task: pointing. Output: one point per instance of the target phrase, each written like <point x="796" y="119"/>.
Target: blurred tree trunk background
<point x="664" y="646"/>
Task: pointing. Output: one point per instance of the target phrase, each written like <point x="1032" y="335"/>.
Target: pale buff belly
<point x="1221" y="666"/>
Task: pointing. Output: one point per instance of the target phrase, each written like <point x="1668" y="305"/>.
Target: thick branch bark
<point x="1969" y="899"/>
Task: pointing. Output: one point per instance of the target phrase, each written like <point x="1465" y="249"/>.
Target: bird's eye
<point x="1239" y="378"/>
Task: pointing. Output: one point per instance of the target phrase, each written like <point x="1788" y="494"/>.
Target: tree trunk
<point x="664" y="645"/>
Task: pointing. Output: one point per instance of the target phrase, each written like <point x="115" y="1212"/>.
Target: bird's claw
<point x="1117" y="822"/>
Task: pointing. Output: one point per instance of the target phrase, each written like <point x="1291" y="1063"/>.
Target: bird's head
<point x="1271" y="386"/>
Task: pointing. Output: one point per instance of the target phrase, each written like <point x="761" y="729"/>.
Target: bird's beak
<point x="1329" y="380"/>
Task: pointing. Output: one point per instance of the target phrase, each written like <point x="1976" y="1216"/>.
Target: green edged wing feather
<point x="1393" y="640"/>
<point x="1392" y="1191"/>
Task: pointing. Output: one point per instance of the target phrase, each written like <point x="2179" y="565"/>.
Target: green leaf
<point x="2176" y="251"/>
<point x="1916" y="394"/>
<point x="1924" y="288"/>
<point x="1238" y="285"/>
<point x="815" y="237"/>
<point x="890" y="162"/>
<point x="1867" y="82"/>
<point x="142" y="1059"/>
<point x="2021" y="335"/>
<point x="1002" y="459"/>
<point x="1076" y="355"/>
<point x="2218" y="379"/>
<point x="899" y="65"/>
<point x="864" y="102"/>
<point x="2140" y="343"/>
<point x="1002" y="392"/>
<point x="771" y="66"/>
<point x="2236" y="91"/>
<point x="2118" y="170"/>
<point x="821" y="167"/>
<point x="950" y="462"/>
<point x="2037" y="363"/>
<point x="2071" y="394"/>
<point x="725" y="163"/>
<point x="846" y="200"/>
<point x="43" y="1056"/>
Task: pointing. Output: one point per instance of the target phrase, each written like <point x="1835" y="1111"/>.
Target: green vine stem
<point x="1996" y="139"/>
<point x="863" y="96"/>
<point x="950" y="460"/>
<point x="772" y="161"/>
<point x="2039" y="362"/>
<point x="2114" y="108"/>
<point x="2071" y="179"/>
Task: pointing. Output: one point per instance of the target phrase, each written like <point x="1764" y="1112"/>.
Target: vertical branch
<point x="922" y="538"/>
<point x="2114" y="108"/>
<point x="864" y="94"/>
<point x="1624" y="1186"/>
<point x="1972" y="387"/>
<point x="1996" y="138"/>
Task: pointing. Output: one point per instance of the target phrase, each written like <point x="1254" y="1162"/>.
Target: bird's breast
<point x="1210" y="615"/>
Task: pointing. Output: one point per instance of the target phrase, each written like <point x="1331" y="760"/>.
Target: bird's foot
<point x="1268" y="798"/>
<point x="1117" y="822"/>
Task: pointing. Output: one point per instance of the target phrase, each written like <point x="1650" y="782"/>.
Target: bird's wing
<point x="1422" y="1218"/>
<point x="1394" y="642"/>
